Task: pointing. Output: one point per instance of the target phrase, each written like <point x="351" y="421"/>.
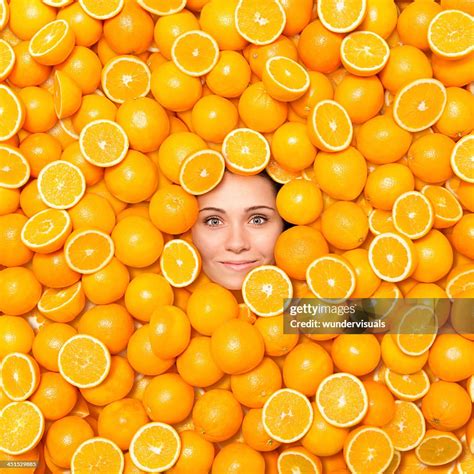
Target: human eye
<point x="260" y="218"/>
<point x="212" y="221"/>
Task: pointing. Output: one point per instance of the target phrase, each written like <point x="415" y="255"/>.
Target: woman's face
<point x="237" y="228"/>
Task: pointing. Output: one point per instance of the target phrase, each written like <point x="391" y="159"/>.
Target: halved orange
<point x="162" y="7"/>
<point x="57" y="3"/>
<point x="98" y="455"/>
<point x="246" y="151"/>
<point x="438" y="448"/>
<point x="287" y="415"/>
<point x="12" y="113"/>
<point x="14" y="167"/>
<point x="61" y="184"/>
<point x="7" y="59"/>
<point x="407" y="427"/>
<point x="380" y="221"/>
<point x="364" y="53"/>
<point x="63" y="304"/>
<point x="202" y="171"/>
<point x="279" y="174"/>
<point x="84" y="361"/>
<point x="264" y="289"/>
<point x="446" y="207"/>
<point x="260" y="21"/>
<point x="21" y="427"/>
<point x="419" y="104"/>
<point x="331" y="277"/>
<point x="155" y="447"/>
<point x="408" y="387"/>
<point x="68" y="127"/>
<point x="413" y="214"/>
<point x="368" y="449"/>
<point x="330" y="128"/>
<point x="195" y="52"/>
<point x="180" y="262"/>
<point x="450" y="34"/>
<point x="394" y="463"/>
<point x="341" y="17"/>
<point x="88" y="250"/>
<point x="460" y="279"/>
<point x="462" y="158"/>
<point x="392" y="256"/>
<point x="53" y="43"/>
<point x="47" y="230"/>
<point x="285" y="79"/>
<point x="125" y="78"/>
<point x="67" y="95"/>
<point x="103" y="143"/>
<point x="102" y="10"/>
<point x="4" y="13"/>
<point x="342" y="399"/>
<point x="298" y="459"/>
<point x="20" y="376"/>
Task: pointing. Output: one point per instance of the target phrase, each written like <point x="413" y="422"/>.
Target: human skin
<point x="238" y="222"/>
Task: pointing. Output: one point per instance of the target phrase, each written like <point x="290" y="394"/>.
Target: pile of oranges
<point x="117" y="353"/>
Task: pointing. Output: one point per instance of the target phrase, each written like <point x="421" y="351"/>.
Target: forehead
<point x="237" y="192"/>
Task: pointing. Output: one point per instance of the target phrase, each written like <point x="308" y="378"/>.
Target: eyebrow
<point x="253" y="208"/>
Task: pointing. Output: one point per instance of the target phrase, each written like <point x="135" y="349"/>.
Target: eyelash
<point x="206" y="221"/>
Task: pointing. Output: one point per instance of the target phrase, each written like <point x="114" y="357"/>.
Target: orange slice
<point x="102" y="10"/>
<point x="88" y="250"/>
<point x="298" y="459"/>
<point x="68" y="127"/>
<point x="368" y="449"/>
<point x="419" y="104"/>
<point x="14" y="168"/>
<point x="287" y="415"/>
<point x="67" y="95"/>
<point x="408" y="387"/>
<point x="57" y="3"/>
<point x="446" y="207"/>
<point x="462" y="158"/>
<point x="202" y="171"/>
<point x="103" y="143"/>
<point x="64" y="304"/>
<point x="195" y="52"/>
<point x="61" y="184"/>
<point x="407" y="427"/>
<point x="12" y="113"/>
<point x="285" y="79"/>
<point x="280" y="174"/>
<point x="264" y="289"/>
<point x="162" y="7"/>
<point x="465" y="462"/>
<point x="413" y="214"/>
<point x="47" y="230"/>
<point x="21" y="427"/>
<point x="20" y="376"/>
<point x="53" y="43"/>
<point x="331" y="277"/>
<point x="260" y="21"/>
<point x="97" y="455"/>
<point x="330" y="127"/>
<point x="392" y="257"/>
<point x="4" y="13"/>
<point x="380" y="221"/>
<point x="460" y="279"/>
<point x="341" y="17"/>
<point x="125" y="78"/>
<point x="342" y="399"/>
<point x="394" y="463"/>
<point x="246" y="151"/>
<point x="450" y="34"/>
<point x="180" y="262"/>
<point x="438" y="448"/>
<point x="364" y="53"/>
<point x="7" y="59"/>
<point x="155" y="447"/>
<point x="84" y="361"/>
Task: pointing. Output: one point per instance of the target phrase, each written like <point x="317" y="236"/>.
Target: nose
<point x="237" y="239"/>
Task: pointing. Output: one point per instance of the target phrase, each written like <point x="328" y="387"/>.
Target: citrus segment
<point x="14" y="167"/>
<point x="202" y="171"/>
<point x="19" y="376"/>
<point x="438" y="448"/>
<point x="103" y="143"/>
<point x="98" y="455"/>
<point x="412" y="214"/>
<point x="84" y="361"/>
<point x="102" y="9"/>
<point x="64" y="304"/>
<point x="462" y="158"/>
<point x="407" y="387"/>
<point x="7" y="59"/>
<point x="67" y="95"/>
<point x="287" y="415"/>
<point x="447" y="209"/>
<point x="265" y="288"/>
<point x="341" y="17"/>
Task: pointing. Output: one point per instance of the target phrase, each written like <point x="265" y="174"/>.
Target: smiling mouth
<point x="239" y="265"/>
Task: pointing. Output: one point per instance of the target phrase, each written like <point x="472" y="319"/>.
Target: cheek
<point x="264" y="242"/>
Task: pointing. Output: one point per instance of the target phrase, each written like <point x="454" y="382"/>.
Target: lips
<point x="239" y="265"/>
